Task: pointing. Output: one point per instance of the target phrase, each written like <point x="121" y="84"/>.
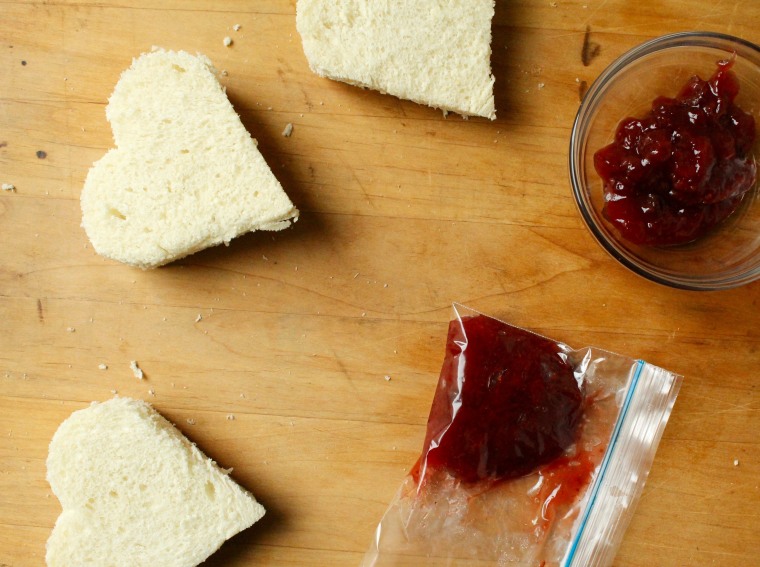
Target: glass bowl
<point x="729" y="255"/>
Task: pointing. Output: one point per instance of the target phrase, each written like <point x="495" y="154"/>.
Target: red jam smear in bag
<point x="674" y="174"/>
<point x="507" y="402"/>
<point x="563" y="482"/>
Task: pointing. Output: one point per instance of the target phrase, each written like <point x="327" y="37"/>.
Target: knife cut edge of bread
<point x="428" y="52"/>
<point x="136" y="492"/>
<point x="185" y="174"/>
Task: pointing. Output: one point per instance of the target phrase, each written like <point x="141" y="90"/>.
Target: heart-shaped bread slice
<point x="185" y="173"/>
<point x="431" y="52"/>
<point x="135" y="492"/>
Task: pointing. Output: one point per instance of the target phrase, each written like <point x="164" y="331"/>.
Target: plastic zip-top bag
<point x="535" y="453"/>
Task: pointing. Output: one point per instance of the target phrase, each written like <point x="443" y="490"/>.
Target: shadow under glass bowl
<point x="729" y="255"/>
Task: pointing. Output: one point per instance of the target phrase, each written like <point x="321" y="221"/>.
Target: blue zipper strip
<point x="605" y="464"/>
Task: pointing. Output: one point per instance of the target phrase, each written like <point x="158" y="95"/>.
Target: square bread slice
<point x="431" y="52"/>
<point x="185" y="174"/>
<point x="135" y="492"/>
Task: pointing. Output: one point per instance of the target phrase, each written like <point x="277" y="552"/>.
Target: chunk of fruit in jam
<point x="507" y="402"/>
<point x="674" y="174"/>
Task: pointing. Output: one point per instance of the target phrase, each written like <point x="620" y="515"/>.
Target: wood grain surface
<point x="402" y="213"/>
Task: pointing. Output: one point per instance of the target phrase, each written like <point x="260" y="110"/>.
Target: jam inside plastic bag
<point x="507" y="401"/>
<point x="535" y="453"/>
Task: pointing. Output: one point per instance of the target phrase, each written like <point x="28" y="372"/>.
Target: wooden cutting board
<point x="403" y="213"/>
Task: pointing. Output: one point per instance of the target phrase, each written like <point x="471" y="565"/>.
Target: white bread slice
<point x="135" y="492"/>
<point x="185" y="173"/>
<point x="432" y="52"/>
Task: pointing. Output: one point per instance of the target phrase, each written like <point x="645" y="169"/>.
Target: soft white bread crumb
<point x="136" y="370"/>
<point x="185" y="174"/>
<point x="431" y="52"/>
<point x="135" y="492"/>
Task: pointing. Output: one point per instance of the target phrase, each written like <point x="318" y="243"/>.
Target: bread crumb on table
<point x="387" y="378"/>
<point x="236" y="27"/>
<point x="227" y="41"/>
<point x="102" y="366"/>
<point x="230" y="417"/>
<point x="736" y="462"/>
<point x="199" y="318"/>
<point x="8" y="187"/>
<point x="136" y="370"/>
<point x="70" y="329"/>
<point x="288" y="130"/>
<point x="190" y="421"/>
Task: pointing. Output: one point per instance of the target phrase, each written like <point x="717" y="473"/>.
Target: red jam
<point x="563" y="482"/>
<point x="507" y="402"/>
<point x="674" y="174"/>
